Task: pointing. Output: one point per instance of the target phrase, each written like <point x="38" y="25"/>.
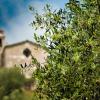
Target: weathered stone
<point x="20" y="54"/>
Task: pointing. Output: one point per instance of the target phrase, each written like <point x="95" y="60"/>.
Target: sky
<point x="15" y="17"/>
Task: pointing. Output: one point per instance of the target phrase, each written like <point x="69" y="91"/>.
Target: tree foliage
<point x="72" y="41"/>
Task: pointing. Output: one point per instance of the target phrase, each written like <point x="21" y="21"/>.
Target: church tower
<point x="2" y="42"/>
<point x="2" y="39"/>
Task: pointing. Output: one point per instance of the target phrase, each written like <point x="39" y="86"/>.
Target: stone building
<point x="20" y="54"/>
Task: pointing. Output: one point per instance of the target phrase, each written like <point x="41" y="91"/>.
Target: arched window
<point x="27" y="52"/>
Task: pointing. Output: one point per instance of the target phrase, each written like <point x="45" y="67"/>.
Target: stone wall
<point x="13" y="55"/>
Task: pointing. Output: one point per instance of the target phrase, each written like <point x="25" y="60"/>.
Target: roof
<point x="2" y="34"/>
<point x="19" y="43"/>
<point x="1" y="31"/>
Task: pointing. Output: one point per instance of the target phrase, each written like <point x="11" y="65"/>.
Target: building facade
<point x="20" y="54"/>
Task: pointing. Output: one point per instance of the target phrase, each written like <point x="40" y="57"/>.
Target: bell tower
<point x="2" y="39"/>
<point x="2" y="42"/>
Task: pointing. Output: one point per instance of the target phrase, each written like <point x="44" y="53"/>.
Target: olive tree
<point x="72" y="41"/>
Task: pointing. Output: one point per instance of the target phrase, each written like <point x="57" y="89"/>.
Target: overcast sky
<point x="15" y="17"/>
